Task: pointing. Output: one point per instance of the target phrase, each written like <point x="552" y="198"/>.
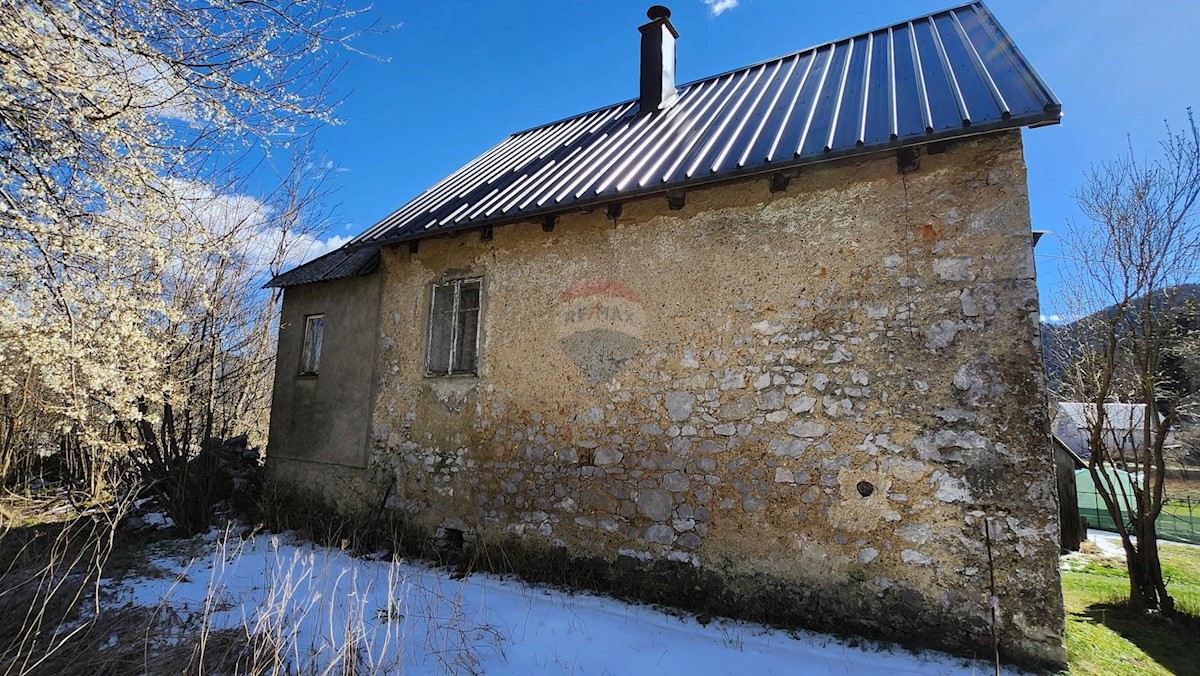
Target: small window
<point x="454" y="327"/>
<point x="310" y="356"/>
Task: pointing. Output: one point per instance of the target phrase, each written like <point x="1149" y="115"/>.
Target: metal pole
<point x="993" y="601"/>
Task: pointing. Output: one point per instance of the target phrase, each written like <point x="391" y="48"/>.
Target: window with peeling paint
<point x="310" y="354"/>
<point x="454" y="327"/>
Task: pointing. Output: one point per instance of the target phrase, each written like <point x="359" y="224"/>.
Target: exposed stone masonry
<point x="823" y="392"/>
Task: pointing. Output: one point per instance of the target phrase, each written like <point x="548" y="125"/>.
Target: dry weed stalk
<point x="318" y="611"/>
<point x="50" y="587"/>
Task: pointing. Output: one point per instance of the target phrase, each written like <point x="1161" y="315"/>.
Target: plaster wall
<point x="324" y="419"/>
<point x="814" y="398"/>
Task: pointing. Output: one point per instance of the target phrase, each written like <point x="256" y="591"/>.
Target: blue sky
<point x="454" y="77"/>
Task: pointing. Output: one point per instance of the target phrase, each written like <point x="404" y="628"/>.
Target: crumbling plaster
<point x="824" y="392"/>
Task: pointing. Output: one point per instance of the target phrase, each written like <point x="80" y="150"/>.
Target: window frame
<point x="452" y="369"/>
<point x="305" y="342"/>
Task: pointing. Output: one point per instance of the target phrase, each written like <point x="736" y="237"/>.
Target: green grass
<point x="1181" y="507"/>
<point x="1104" y="637"/>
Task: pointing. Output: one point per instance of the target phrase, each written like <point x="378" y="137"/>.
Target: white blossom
<point x="131" y="254"/>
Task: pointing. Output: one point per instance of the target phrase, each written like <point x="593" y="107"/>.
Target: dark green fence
<point x="1179" y="521"/>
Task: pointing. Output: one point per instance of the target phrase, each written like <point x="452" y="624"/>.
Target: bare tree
<point x="221" y="358"/>
<point x="1140" y="244"/>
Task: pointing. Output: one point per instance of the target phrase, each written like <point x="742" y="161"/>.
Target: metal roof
<point x="337" y="264"/>
<point x="1117" y="416"/>
<point x="951" y="74"/>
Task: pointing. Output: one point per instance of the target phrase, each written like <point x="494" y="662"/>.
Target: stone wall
<point x="815" y="397"/>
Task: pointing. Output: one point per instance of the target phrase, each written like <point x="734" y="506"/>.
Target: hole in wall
<point x="453" y="539"/>
<point x="866" y="488"/>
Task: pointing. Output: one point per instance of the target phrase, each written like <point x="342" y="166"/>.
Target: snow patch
<point x="412" y="618"/>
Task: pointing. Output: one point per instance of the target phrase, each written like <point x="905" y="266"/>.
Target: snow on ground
<point x="1109" y="543"/>
<point x="404" y="617"/>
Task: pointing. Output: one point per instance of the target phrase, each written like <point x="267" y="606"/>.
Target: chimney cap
<point x="658" y="12"/>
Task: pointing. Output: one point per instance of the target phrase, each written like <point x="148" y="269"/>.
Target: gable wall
<point x="811" y="399"/>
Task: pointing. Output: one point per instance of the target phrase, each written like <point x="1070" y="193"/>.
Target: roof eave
<point x="344" y="269"/>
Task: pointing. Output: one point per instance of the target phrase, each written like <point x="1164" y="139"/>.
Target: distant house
<point x="1123" y="426"/>
<point x="1122" y="433"/>
<point x="764" y="344"/>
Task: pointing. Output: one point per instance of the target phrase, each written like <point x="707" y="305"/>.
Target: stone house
<point x="764" y="344"/>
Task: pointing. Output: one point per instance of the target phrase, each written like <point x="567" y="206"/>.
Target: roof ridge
<point x="707" y="78"/>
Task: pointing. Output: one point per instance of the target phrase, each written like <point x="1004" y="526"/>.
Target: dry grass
<point x="118" y="642"/>
<point x="54" y="561"/>
<point x="1179" y="488"/>
<point x="58" y="615"/>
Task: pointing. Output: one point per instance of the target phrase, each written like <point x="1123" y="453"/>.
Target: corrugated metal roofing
<point x="1117" y="416"/>
<point x="947" y="75"/>
<point x="337" y="264"/>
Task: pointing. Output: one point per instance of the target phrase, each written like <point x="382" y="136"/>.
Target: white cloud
<point x="114" y="71"/>
<point x="240" y="226"/>
<point x="222" y="214"/>
<point x="330" y="166"/>
<point x="147" y="82"/>
<point x="1053" y="319"/>
<point x="319" y="247"/>
<point x="719" y="7"/>
<point x="246" y="224"/>
<point x="289" y="249"/>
